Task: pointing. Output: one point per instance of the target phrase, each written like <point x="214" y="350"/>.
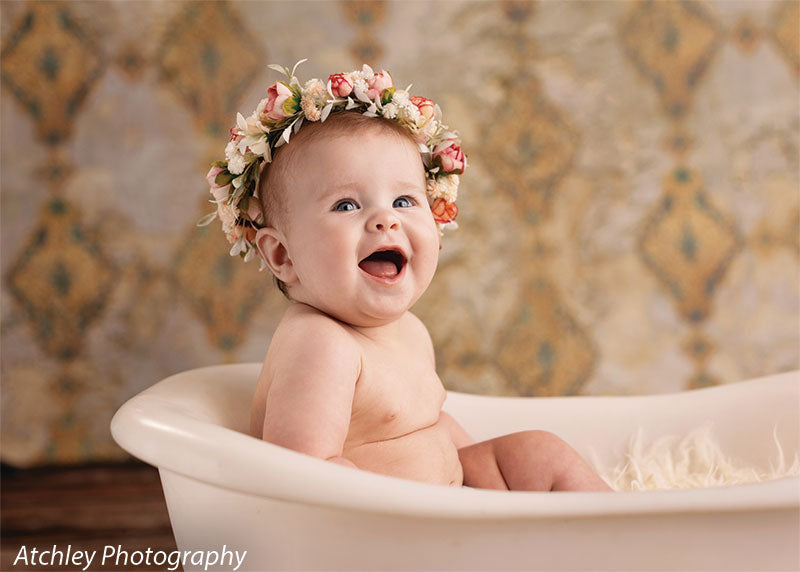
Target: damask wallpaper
<point x="629" y="223"/>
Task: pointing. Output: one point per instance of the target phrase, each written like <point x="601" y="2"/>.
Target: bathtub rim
<point x="148" y="421"/>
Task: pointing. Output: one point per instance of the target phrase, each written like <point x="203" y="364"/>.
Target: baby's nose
<point x="384" y="220"/>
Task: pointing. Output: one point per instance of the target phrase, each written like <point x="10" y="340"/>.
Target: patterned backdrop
<point x="630" y="222"/>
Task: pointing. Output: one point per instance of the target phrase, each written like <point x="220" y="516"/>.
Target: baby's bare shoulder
<point x="310" y="357"/>
<point x="305" y="331"/>
<point x="417" y="328"/>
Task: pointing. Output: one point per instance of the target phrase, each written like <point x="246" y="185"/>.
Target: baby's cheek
<point x="430" y="254"/>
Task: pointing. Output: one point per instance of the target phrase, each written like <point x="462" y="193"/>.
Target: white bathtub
<point x="293" y="512"/>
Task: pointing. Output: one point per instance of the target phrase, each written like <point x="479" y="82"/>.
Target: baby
<point x="348" y="218"/>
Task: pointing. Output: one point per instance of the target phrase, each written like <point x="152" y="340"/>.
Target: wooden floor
<point x="87" y="508"/>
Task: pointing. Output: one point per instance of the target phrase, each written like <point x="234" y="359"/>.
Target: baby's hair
<point x="273" y="182"/>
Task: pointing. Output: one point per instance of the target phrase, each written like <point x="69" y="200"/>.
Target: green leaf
<point x="239" y="193"/>
<point x="297" y="64"/>
<point x="251" y="173"/>
<point x="279" y="69"/>
<point x="206" y="220"/>
<point x="291" y="106"/>
<point x="387" y="95"/>
<point x="223" y="178"/>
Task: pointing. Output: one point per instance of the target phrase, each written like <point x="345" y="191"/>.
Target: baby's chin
<point x="368" y="315"/>
<point x="369" y="318"/>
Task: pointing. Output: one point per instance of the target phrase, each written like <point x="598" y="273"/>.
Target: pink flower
<point x="444" y="212"/>
<point x="278" y="105"/>
<point x="226" y="213"/>
<point x="449" y="156"/>
<point x="424" y="105"/>
<point x="341" y="86"/>
<point x="236" y="233"/>
<point x="220" y="192"/>
<point x="254" y="210"/>
<point x="378" y="83"/>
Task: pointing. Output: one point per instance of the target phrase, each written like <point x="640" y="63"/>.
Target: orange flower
<point x="426" y="107"/>
<point x="444" y="212"/>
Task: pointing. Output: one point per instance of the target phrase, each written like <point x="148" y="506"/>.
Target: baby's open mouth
<point x="383" y="263"/>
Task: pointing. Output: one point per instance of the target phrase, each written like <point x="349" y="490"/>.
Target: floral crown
<point x="234" y="181"/>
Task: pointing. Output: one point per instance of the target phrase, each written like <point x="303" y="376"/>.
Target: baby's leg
<point x="528" y="461"/>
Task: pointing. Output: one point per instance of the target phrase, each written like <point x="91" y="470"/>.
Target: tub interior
<point x="746" y="418"/>
<point x="195" y="423"/>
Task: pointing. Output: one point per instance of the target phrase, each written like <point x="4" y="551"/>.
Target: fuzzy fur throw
<point x="695" y="461"/>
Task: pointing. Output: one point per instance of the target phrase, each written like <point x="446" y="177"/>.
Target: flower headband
<point x="234" y="181"/>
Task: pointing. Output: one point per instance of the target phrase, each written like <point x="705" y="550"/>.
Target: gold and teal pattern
<point x="688" y="244"/>
<point x="786" y="32"/>
<point x="366" y="16"/>
<point x="62" y="278"/>
<point x="686" y="241"/>
<point x="569" y="274"/>
<point x="671" y="44"/>
<point x="208" y="58"/>
<point x="544" y="351"/>
<point x="529" y="147"/>
<point x="50" y="64"/>
<point x="747" y="35"/>
<point x="222" y="292"/>
<point x="131" y="61"/>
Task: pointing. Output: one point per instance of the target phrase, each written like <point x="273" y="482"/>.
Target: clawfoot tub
<point x="293" y="512"/>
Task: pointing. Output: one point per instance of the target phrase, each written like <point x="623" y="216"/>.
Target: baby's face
<point x="359" y="231"/>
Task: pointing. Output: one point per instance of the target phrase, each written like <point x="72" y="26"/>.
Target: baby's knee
<point x="536" y="440"/>
<point x="541" y="448"/>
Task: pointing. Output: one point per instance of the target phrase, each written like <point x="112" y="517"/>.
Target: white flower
<point x="239" y="246"/>
<point x="249" y="253"/>
<point x="227" y="215"/>
<point x="430" y="128"/>
<point x="442" y="226"/>
<point x="444" y="188"/>
<point x="257" y="145"/>
<point x="315" y="88"/>
<point x="236" y="162"/>
<point x="360" y="88"/>
<point x="309" y="107"/>
<point x="390" y="111"/>
<point x="400" y="97"/>
<point x="254" y="138"/>
<point x="361" y="74"/>
<point x="250" y="127"/>
<point x="314" y="98"/>
<point x="411" y="113"/>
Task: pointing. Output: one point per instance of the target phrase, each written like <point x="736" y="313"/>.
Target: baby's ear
<point x="271" y="245"/>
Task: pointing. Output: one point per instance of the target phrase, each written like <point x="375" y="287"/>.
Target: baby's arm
<point x="311" y="395"/>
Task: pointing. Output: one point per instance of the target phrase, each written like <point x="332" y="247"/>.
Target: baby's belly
<point x="426" y="455"/>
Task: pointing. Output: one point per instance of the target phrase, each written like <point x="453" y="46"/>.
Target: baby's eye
<point x="403" y="202"/>
<point x="345" y="205"/>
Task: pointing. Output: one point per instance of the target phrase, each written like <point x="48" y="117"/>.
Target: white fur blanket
<point x="694" y="461"/>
